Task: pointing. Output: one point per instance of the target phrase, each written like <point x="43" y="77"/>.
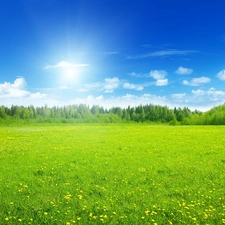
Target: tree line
<point x="96" y="114"/>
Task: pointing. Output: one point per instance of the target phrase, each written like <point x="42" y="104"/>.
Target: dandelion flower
<point x="80" y="196"/>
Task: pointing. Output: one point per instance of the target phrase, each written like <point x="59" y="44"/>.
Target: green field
<point x="112" y="174"/>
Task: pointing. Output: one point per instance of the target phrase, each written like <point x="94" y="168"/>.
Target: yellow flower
<point x="80" y="196"/>
<point x="68" y="196"/>
<point x="6" y="218"/>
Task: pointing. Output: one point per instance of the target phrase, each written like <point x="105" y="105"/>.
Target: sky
<point x="112" y="53"/>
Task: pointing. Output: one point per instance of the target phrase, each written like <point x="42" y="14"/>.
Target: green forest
<point x="96" y="114"/>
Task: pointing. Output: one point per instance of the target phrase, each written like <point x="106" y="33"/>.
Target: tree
<point x="2" y="112"/>
<point x="142" y="115"/>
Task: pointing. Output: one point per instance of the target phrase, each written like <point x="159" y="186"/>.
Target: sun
<point x="69" y="74"/>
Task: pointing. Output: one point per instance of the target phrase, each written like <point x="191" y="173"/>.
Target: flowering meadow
<point x="112" y="174"/>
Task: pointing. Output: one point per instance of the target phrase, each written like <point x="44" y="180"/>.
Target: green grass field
<point x="112" y="174"/>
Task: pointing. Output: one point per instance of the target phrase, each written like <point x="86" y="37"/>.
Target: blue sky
<point x="112" y="52"/>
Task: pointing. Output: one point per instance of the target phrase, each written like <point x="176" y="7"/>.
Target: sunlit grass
<point x="112" y="174"/>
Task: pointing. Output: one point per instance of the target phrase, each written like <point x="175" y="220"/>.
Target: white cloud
<point x="184" y="71"/>
<point x="202" y="99"/>
<point x="13" y="90"/>
<point x="82" y="90"/>
<point x="185" y="82"/>
<point x="129" y="86"/>
<point x="171" y="52"/>
<point x="64" y="87"/>
<point x="134" y="100"/>
<point x="14" y="93"/>
<point x="64" y="64"/>
<point x="110" y="53"/>
<point x="221" y="75"/>
<point x="216" y="95"/>
<point x="108" y="86"/>
<point x="197" y="81"/>
<point x="89" y="100"/>
<point x="121" y="101"/>
<point x="18" y="83"/>
<point x="211" y="95"/>
<point x="158" y="74"/>
<point x="180" y="97"/>
<point x="134" y="74"/>
<point x="38" y="95"/>
<point x="93" y="85"/>
<point x="168" y="52"/>
<point x="139" y="88"/>
<point x="161" y="82"/>
<point x="132" y="86"/>
<point x="198" y="92"/>
<point x="199" y="99"/>
<point x="100" y="97"/>
<point x="111" y="84"/>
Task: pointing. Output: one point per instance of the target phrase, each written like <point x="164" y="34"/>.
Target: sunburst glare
<point x="69" y="74"/>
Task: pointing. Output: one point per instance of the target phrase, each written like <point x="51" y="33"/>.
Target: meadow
<point x="112" y="174"/>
